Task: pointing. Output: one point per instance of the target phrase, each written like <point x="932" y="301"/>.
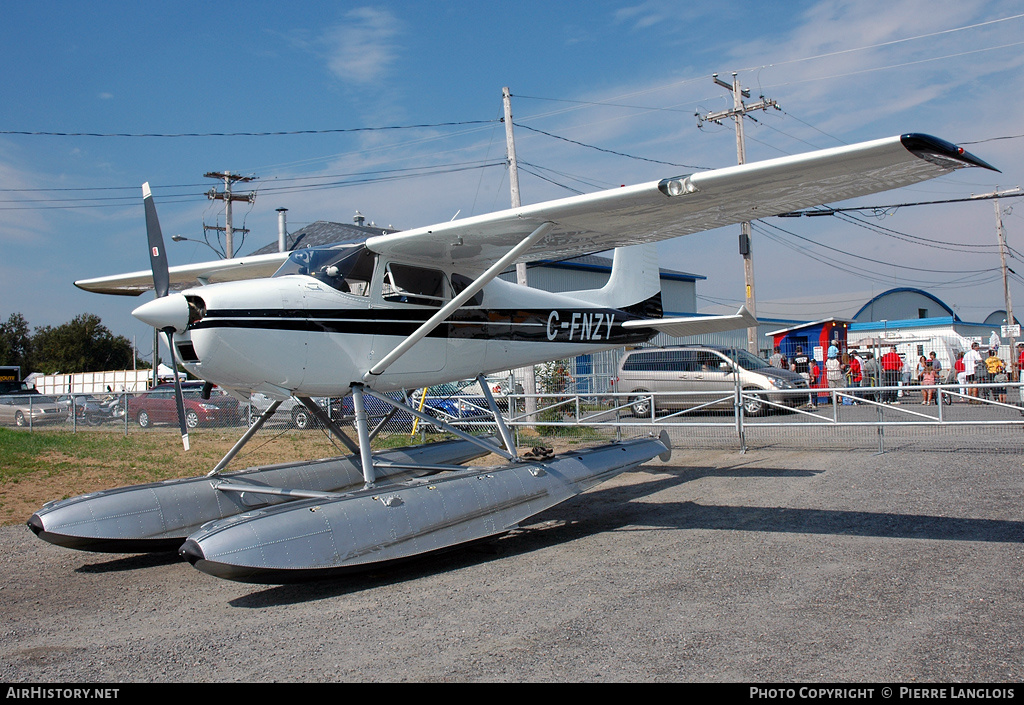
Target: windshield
<point x="746" y="360"/>
<point x="347" y="269"/>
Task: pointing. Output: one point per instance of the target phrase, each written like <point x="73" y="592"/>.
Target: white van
<point x="710" y="370"/>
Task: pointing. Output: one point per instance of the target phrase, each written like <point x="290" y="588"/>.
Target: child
<point x="928" y="379"/>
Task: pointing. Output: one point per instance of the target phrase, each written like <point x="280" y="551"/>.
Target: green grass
<point x="26" y="453"/>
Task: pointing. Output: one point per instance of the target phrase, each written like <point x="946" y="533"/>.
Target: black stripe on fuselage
<point x="597" y="325"/>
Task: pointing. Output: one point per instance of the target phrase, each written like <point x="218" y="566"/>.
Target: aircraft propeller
<point x="161" y="285"/>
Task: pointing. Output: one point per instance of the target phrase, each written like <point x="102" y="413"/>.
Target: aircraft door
<point x="409" y="295"/>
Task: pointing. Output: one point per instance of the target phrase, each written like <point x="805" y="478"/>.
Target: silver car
<point x="30" y="409"/>
<point x="708" y="374"/>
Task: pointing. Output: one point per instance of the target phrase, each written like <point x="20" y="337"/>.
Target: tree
<point x="82" y="345"/>
<point x="16" y="343"/>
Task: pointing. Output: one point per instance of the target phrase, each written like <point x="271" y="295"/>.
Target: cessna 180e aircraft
<point x="414" y="308"/>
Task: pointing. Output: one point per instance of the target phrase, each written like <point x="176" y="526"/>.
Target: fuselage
<point x="305" y="332"/>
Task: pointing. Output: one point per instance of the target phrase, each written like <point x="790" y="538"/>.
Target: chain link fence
<point x="709" y="397"/>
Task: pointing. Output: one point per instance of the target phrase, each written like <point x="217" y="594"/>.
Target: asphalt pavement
<point x="778" y="565"/>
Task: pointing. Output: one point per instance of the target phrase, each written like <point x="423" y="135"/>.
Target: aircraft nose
<point x="167" y="312"/>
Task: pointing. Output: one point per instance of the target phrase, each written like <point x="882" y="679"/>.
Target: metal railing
<point x="721" y="418"/>
<point x="732" y="415"/>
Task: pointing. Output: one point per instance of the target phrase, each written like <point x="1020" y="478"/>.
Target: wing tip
<point x="941" y="152"/>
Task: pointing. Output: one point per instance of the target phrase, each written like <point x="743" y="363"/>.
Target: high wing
<point x="188" y="275"/>
<point x="660" y="210"/>
<point x="650" y="212"/>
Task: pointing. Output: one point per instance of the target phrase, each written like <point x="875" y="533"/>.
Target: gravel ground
<point x="777" y="565"/>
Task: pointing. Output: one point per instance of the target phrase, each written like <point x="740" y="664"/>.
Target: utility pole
<point x="228" y="198"/>
<point x="737" y="113"/>
<point x="1011" y="330"/>
<point x="528" y="374"/>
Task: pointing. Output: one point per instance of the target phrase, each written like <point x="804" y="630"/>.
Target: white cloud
<point x="361" y="50"/>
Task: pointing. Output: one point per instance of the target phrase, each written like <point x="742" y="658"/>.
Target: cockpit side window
<point x="351" y="273"/>
<point x="404" y="283"/>
<point x="347" y="269"/>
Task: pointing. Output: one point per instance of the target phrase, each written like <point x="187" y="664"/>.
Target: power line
<point x="244" y="134"/>
<point x="340" y="182"/>
<point x="889" y="43"/>
<point x="869" y="259"/>
<point x="892" y="206"/>
<point x="607" y="151"/>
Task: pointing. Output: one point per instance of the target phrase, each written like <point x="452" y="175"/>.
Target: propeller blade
<point x="157" y="256"/>
<point x="161" y="285"/>
<point x="178" y="400"/>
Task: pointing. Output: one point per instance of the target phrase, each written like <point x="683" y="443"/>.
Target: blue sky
<point x="624" y="77"/>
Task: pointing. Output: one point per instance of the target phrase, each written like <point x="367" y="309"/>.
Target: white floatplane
<point x="419" y="307"/>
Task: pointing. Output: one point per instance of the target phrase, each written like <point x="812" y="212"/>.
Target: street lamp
<point x="182" y="238"/>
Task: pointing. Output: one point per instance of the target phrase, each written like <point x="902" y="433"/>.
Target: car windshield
<point x="347" y="269"/>
<point x="443" y="390"/>
<point x="746" y="360"/>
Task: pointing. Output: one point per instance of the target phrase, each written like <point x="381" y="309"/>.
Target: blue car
<point x="443" y="401"/>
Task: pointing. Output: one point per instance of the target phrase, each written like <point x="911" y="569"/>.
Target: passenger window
<point x="709" y="362"/>
<point x="413" y="285"/>
<point x="459" y="283"/>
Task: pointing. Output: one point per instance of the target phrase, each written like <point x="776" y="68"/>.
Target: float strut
<point x="363" y="432"/>
<point x="506" y="435"/>
<point x="249" y="433"/>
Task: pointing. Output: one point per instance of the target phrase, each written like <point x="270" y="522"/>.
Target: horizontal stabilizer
<point x="696" y="325"/>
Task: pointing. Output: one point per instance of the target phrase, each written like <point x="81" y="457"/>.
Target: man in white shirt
<point x="971" y="360"/>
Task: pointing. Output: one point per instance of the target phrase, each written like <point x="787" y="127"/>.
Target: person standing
<point x="855" y="373"/>
<point x="928" y="384"/>
<point x="892" y="366"/>
<point x="802" y="366"/>
<point x="777" y="360"/>
<point x="961" y="374"/>
<point x="972" y="363"/>
<point x="1020" y="371"/>
<point x="871" y="373"/>
<point x="816" y="380"/>
<point x="996" y="373"/>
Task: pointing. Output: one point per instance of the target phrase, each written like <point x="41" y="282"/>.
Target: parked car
<point x="704" y="368"/>
<point x="158" y="406"/>
<point x="88" y="409"/>
<point x="501" y="387"/>
<point x="31" y="409"/>
<point x="299" y="415"/>
<point x="454" y="402"/>
<point x="450" y="402"/>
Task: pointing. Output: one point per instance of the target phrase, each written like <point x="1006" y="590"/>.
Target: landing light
<point x="676" y="186"/>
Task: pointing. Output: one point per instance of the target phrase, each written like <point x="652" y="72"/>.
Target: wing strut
<point x="465" y="295"/>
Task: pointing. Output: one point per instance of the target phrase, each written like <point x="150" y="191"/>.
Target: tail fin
<point x="634" y="284"/>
